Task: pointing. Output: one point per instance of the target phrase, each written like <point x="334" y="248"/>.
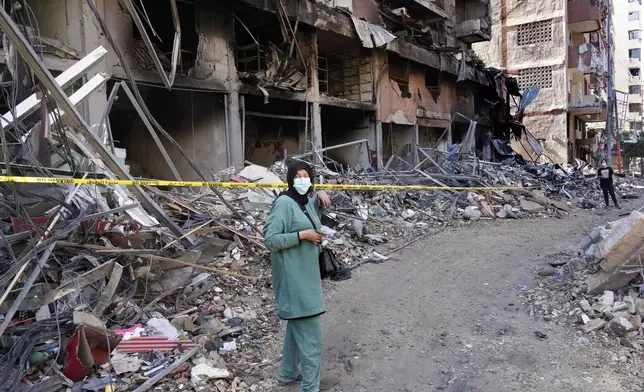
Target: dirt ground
<point x="446" y="314"/>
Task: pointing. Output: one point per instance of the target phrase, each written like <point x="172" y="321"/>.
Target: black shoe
<point x="618" y="207"/>
<point x="285" y="383"/>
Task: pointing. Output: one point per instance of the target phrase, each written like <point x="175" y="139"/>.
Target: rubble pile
<point x="600" y="289"/>
<point x="97" y="296"/>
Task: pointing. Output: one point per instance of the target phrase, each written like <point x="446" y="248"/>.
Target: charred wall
<point x="196" y="122"/>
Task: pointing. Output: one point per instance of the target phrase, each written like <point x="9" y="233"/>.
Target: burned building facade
<point x="258" y="80"/>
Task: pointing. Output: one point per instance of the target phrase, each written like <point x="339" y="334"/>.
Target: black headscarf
<point x="293" y="168"/>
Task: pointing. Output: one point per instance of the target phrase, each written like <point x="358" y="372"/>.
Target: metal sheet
<point x="372" y="36"/>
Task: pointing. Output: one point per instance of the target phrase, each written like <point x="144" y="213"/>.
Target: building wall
<point x="545" y="117"/>
<point x="196" y="122"/>
<point x="396" y="109"/>
<point x="622" y="64"/>
<point x="206" y="128"/>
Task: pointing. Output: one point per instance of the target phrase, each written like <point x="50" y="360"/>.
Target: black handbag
<point x="329" y="266"/>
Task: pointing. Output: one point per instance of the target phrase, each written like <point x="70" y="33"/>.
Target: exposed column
<point x="376" y="61"/>
<point x="314" y="94"/>
<point x="414" y="153"/>
<point x="234" y="135"/>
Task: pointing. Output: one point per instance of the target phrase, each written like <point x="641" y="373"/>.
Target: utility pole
<point x="610" y="115"/>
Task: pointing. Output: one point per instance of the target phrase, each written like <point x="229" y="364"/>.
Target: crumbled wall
<point x="552" y="130"/>
<point x="394" y="108"/>
<point x="215" y="57"/>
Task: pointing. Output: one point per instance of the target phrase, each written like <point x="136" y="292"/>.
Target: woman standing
<point x="292" y="234"/>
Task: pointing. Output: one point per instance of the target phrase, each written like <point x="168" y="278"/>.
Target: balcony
<point x="584" y="16"/>
<point x="426" y="7"/>
<point x="586" y="58"/>
<point x="475" y="30"/>
<point x="588" y="108"/>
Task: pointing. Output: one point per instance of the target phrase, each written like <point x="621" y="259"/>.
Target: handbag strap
<point x="309" y="216"/>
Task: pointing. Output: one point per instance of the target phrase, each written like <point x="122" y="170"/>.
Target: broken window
<point x="159" y="27"/>
<point x="634" y="89"/>
<point x="634" y="71"/>
<point x="461" y="90"/>
<point x="635" y="107"/>
<point x="346" y="74"/>
<point x="535" y="32"/>
<point x="633" y="16"/>
<point x="399" y="73"/>
<point x="433" y="82"/>
<point x="266" y="50"/>
<point x="635" y="34"/>
<point x="634" y="54"/>
<point x="535" y="77"/>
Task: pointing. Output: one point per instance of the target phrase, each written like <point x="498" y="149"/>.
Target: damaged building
<point x="561" y="48"/>
<point x="372" y="83"/>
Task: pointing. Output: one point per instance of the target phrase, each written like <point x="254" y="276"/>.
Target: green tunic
<point x="296" y="273"/>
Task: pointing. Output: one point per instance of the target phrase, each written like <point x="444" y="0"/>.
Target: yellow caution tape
<point x="246" y="185"/>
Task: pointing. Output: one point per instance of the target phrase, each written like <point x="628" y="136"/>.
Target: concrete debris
<point x="530" y="206"/>
<point x="593" y="325"/>
<point x="619" y="250"/>
<point x="203" y="372"/>
<point x="619" y="326"/>
<point x="471" y="213"/>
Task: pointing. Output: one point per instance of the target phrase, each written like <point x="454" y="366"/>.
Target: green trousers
<point x="303" y="347"/>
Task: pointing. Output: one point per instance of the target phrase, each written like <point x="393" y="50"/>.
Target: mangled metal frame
<point x="176" y="47"/>
<point x="107" y="162"/>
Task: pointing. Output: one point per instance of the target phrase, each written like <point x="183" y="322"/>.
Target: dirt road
<point x="446" y="315"/>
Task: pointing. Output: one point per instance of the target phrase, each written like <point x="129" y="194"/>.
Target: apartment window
<point x="636" y="125"/>
<point x="635" y="1"/>
<point x="634" y="54"/>
<point x="634" y="89"/>
<point x="635" y="107"/>
<point x="635" y="72"/>
<point x="634" y="16"/>
<point x="635" y="34"/>
<point x="535" y="77"/>
<point x="399" y="73"/>
<point x="535" y="33"/>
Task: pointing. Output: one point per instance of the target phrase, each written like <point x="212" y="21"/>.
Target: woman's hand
<point x="324" y="199"/>
<point x="311" y="235"/>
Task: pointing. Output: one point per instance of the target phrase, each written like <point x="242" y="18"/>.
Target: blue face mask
<point x="302" y="185"/>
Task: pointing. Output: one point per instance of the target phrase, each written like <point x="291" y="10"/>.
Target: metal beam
<point x="176" y="47"/>
<point x="81" y="94"/>
<point x="330" y="148"/>
<point x="153" y="133"/>
<point x="269" y="115"/>
<point x="45" y="77"/>
<point x="31" y="104"/>
<point x="429" y="158"/>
